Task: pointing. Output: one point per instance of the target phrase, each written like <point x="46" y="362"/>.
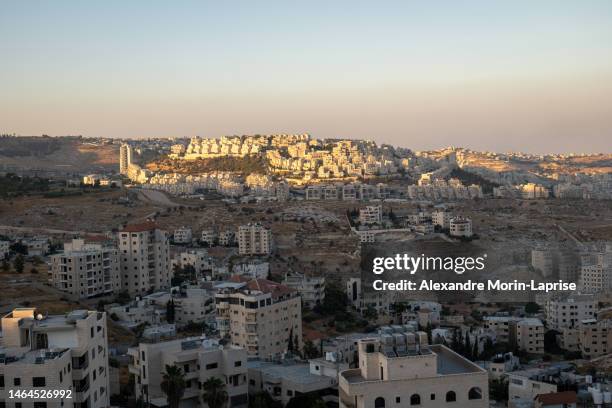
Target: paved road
<point x="156" y="197"/>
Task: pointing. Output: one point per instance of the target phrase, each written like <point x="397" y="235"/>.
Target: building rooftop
<point x="557" y="398"/>
<point x="297" y="373"/>
<point x="145" y="226"/>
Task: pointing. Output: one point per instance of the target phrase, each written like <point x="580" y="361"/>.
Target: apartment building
<point x="254" y="239"/>
<point x="595" y="337"/>
<point x="199" y="359"/>
<point x="569" y="311"/>
<point x="460" y="227"/>
<point x="182" y="235"/>
<point x="596" y="278"/>
<point x="41" y="352"/>
<point x="525" y="385"/>
<point x="259" y="315"/>
<point x="193" y="305"/>
<point x="144" y="252"/>
<point x="372" y="214"/>
<point x="530" y="335"/>
<point x="227" y="238"/>
<point x="500" y="325"/>
<point x="208" y="237"/>
<point x="86" y="269"/>
<point x="197" y="258"/>
<point x="4" y="249"/>
<point x="148" y="309"/>
<point x="441" y="218"/>
<point x="310" y="288"/>
<point x="544" y="260"/>
<point x="125" y="158"/>
<point x="406" y="371"/>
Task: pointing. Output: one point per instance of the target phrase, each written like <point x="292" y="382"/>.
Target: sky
<point x="533" y="76"/>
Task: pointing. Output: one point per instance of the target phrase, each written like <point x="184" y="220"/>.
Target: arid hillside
<point x="61" y="155"/>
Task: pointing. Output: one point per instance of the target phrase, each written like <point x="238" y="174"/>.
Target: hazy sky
<point x="498" y="75"/>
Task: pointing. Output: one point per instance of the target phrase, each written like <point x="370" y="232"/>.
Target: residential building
<point x="199" y="360"/>
<point x="568" y="311"/>
<point x="197" y="258"/>
<point x="372" y="214"/>
<point x="44" y="352"/>
<point x="530" y="335"/>
<point x="259" y="315"/>
<point x="5" y="249"/>
<point x="565" y="399"/>
<point x="182" y="235"/>
<point x="310" y="288"/>
<point x="144" y="252"/>
<point x="254" y="239"/>
<point x="208" y="237"/>
<point x="441" y="218"/>
<point x="405" y="371"/>
<point x="526" y="385"/>
<point x="460" y="227"/>
<point x="287" y="379"/>
<point x="86" y="269"/>
<point x="125" y="158"/>
<point x="595" y="337"/>
<point x="227" y="238"/>
<point x="193" y="305"/>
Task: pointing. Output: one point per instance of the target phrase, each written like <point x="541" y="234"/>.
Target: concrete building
<point x="199" y="359"/>
<point x="441" y="218"/>
<point x="259" y="315"/>
<point x="4" y="249"/>
<point x="530" y="335"/>
<point x="526" y="385"/>
<point x="182" y="235"/>
<point x="86" y="269"/>
<point x="254" y="239"/>
<point x="406" y="371"/>
<point x="311" y="289"/>
<point x="371" y="214"/>
<point x="569" y="311"/>
<point x="198" y="258"/>
<point x="125" y="158"/>
<point x="193" y="305"/>
<point x="460" y="227"/>
<point x="209" y="237"/>
<point x="595" y="337"/>
<point x="42" y="352"/>
<point x="144" y="252"/>
<point x="287" y="379"/>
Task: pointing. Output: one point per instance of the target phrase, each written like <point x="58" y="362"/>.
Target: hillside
<point x="56" y="155"/>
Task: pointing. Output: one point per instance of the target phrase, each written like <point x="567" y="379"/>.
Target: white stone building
<point x="199" y="360"/>
<point x="460" y="227"/>
<point x="311" y="289"/>
<point x="144" y="252"/>
<point x="259" y="315"/>
<point x="406" y="371"/>
<point x="182" y="235"/>
<point x="67" y="352"/>
<point x="254" y="239"/>
<point x="86" y="269"/>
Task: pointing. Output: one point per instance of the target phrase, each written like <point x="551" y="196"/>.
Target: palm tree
<point x="215" y="395"/>
<point x="173" y="385"/>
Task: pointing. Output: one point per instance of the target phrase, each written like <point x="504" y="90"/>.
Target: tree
<point x="170" y="311"/>
<point x="18" y="263"/>
<point x="5" y="266"/>
<point x="306" y="401"/>
<point x="173" y="385"/>
<point x="263" y="400"/>
<point x="532" y="308"/>
<point x="310" y="350"/>
<point x="214" y="395"/>
<point x="498" y="390"/>
<point x="290" y="345"/>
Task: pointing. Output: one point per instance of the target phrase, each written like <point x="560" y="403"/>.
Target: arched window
<point x="415" y="399"/>
<point x="379" y="402"/>
<point x="451" y="396"/>
<point x="475" y="393"/>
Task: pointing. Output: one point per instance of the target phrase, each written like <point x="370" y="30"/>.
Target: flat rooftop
<point x="298" y="373"/>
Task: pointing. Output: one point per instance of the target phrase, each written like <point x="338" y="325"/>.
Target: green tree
<point x="170" y="311"/>
<point x="214" y="395"/>
<point x="498" y="389"/>
<point x="5" y="266"/>
<point x="532" y="308"/>
<point x="305" y="401"/>
<point x="18" y="263"/>
<point x="173" y="385"/>
<point x="310" y="350"/>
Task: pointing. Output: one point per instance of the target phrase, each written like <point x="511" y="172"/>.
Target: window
<point x="415" y="399"/>
<point x="451" y="396"/>
<point x="38" y="382"/>
<point x="211" y="366"/>
<point x="237" y="363"/>
<point x="379" y="402"/>
<point x="16" y="381"/>
<point x="475" y="393"/>
<point x="40" y="404"/>
<point x="432" y="397"/>
<point x="398" y="400"/>
<point x="1" y="381"/>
